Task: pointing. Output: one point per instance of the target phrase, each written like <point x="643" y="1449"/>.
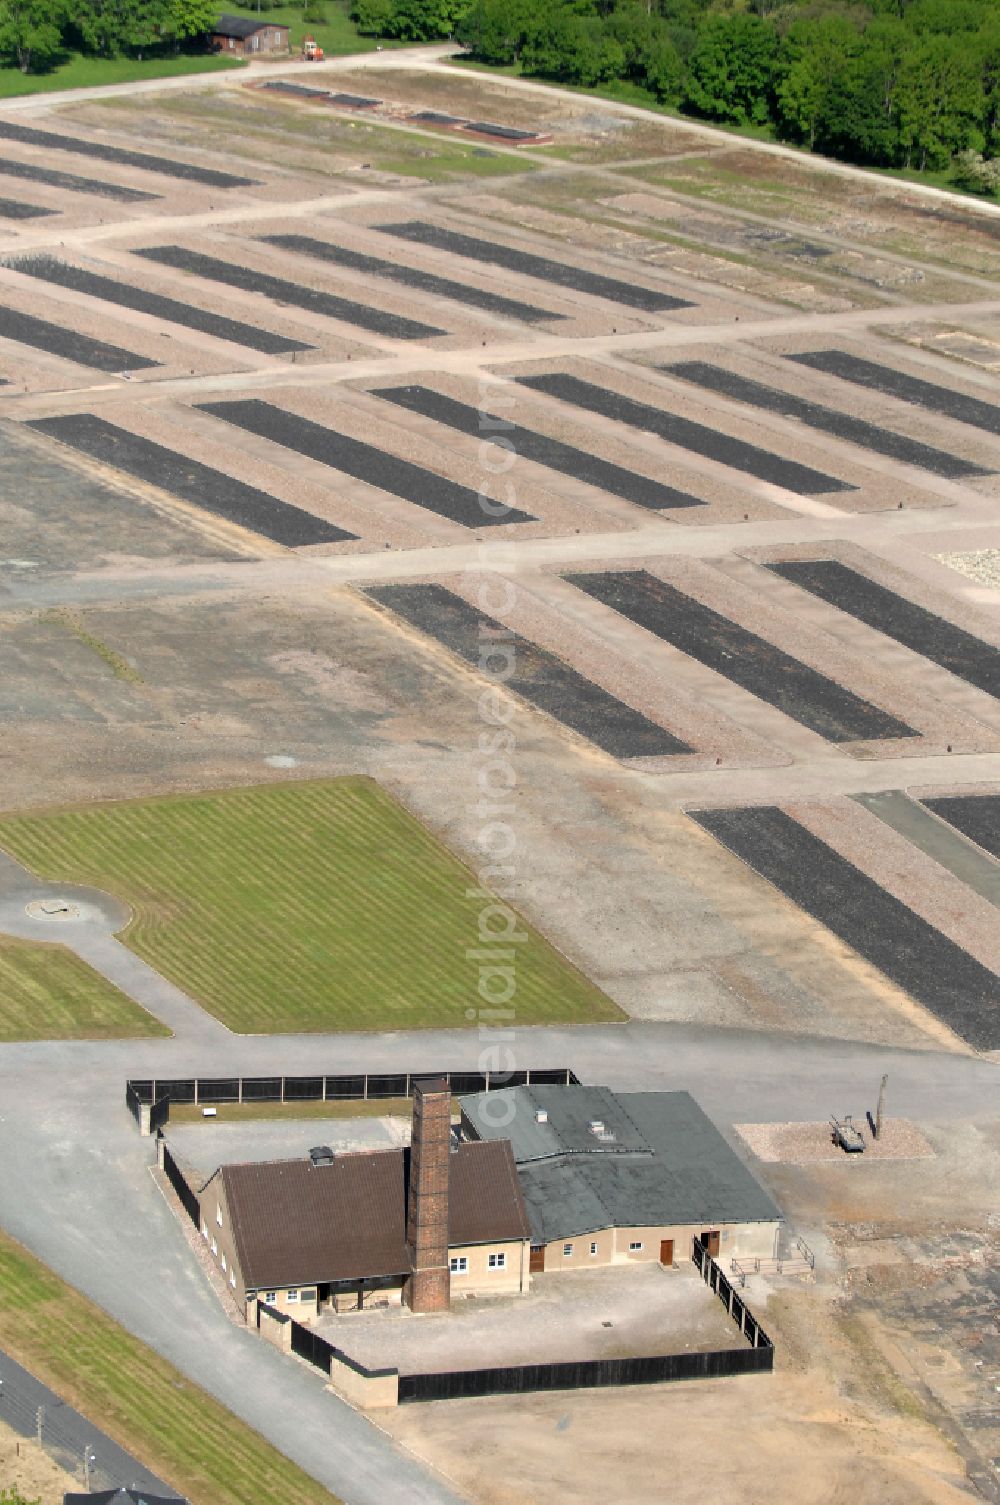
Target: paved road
<point x="66" y="1434"/>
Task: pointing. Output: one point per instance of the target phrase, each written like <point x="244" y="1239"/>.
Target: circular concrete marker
<point x="53" y="909"/>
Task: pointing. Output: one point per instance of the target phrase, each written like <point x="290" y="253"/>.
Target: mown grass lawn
<point x="76" y="71"/>
<point x="47" y="993"/>
<point x="176" y="1429"/>
<point x="243" y="1113"/>
<point x="302" y="906"/>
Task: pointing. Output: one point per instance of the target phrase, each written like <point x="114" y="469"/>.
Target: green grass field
<point x="79" y="72"/>
<point x="143" y="1402"/>
<point x="300" y="906"/>
<point x="47" y="993"/>
<point x="244" y="1113"/>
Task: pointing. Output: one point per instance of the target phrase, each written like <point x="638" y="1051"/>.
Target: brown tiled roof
<point x="295" y="1223"/>
<point x="298" y="1224"/>
<point x="485" y="1204"/>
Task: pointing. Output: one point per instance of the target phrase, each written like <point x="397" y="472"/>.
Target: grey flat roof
<point x="659" y="1161"/>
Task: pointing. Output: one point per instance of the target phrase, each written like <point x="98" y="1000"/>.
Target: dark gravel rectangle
<point x="354" y="101"/>
<point x="198" y="484"/>
<point x="912" y="389"/>
<point x="363" y="461"/>
<point x="32" y="173"/>
<point x="540" y="448"/>
<point x="262" y="283"/>
<point x="282" y="86"/>
<point x="54" y="141"/>
<point x="697" y="437"/>
<point x="16" y="209"/>
<point x="949" y="982"/>
<point x="62" y="274"/>
<point x="963" y="655"/>
<point x="827" y="420"/>
<point x="747" y="660"/>
<point x="559" y="273"/>
<point x="435" y="117"/>
<point x="67" y="343"/>
<point x="977" y="816"/>
<point x="426" y="282"/>
<point x="502" y="132"/>
<point x="538" y="676"/>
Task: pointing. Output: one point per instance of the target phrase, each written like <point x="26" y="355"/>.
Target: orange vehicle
<point x="311" y="53"/>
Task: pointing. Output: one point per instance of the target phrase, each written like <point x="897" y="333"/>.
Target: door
<point x="711" y="1242"/>
<point x="536" y="1260"/>
<point x="666" y="1251"/>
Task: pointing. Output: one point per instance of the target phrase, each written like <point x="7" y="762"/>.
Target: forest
<point x="911" y="84"/>
<point x="34" y="32"/>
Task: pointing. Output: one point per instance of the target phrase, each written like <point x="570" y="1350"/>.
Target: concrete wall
<point x="483" y="1281"/>
<point x="371" y="1390"/>
<point x="739" y="1239"/>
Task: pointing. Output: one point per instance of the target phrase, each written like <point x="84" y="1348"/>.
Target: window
<point x="459" y="1264"/>
<point x="204" y="1229"/>
<point x="215" y="1247"/>
<point x="635" y="1247"/>
<point x="567" y="1250"/>
<point x="307" y="1295"/>
<point x="291" y="1295"/>
<point x="498" y="1261"/>
<point x="251" y="1295"/>
<point x="232" y="1278"/>
<point x="218" y="1214"/>
<point x="270" y="1297"/>
<point x="223" y="1261"/>
<point x="593" y="1248"/>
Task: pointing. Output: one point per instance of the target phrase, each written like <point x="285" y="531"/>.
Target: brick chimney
<point x="429" y="1287"/>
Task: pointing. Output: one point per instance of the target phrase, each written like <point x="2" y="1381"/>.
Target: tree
<point x="12" y="1495"/>
<point x="425" y="20"/>
<point x="191" y="18"/>
<point x="977" y="174"/>
<point x="493" y="30"/>
<point x="372" y="17"/>
<point x="731" y="69"/>
<point x="811" y="56"/>
<point x="31" y="35"/>
<point x="939" y="102"/>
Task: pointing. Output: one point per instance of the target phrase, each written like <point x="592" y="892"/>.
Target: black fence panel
<point x="262" y="1089"/>
<point x="349" y="1087"/>
<point x="389" y="1086"/>
<point x="178" y="1089"/>
<point x="345" y="1086"/>
<point x="468" y="1081"/>
<point x="310" y="1346"/>
<point x="303" y="1089"/>
<point x="584" y="1374"/>
<point x="133" y="1101"/>
<point x="186" y="1196"/>
<point x="219" y="1089"/>
<point x="158" y="1114"/>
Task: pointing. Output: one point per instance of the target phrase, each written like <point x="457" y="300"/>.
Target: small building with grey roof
<point x="612" y="1177"/>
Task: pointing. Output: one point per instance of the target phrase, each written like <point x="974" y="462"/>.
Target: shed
<point x="249" y="36"/>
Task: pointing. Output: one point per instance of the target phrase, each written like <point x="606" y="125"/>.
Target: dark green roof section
<point x="589" y="1158"/>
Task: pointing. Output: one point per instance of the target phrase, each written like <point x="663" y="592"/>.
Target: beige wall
<point x="739" y="1239"/>
<point x="218" y="1237"/>
<point x="481" y="1279"/>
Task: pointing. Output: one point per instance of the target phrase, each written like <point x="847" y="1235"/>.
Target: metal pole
<point x="86" y="1468"/>
<point x="880" y="1110"/>
<point x="39" y="1422"/>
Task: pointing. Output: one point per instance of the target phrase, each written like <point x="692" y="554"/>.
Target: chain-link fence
<point x="95" y="1462"/>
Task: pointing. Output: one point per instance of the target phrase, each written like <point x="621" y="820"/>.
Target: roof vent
<point x="541" y="1115"/>
<point x="600" y="1131"/>
<point x="321" y="1154"/>
<point x="597" y="1126"/>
